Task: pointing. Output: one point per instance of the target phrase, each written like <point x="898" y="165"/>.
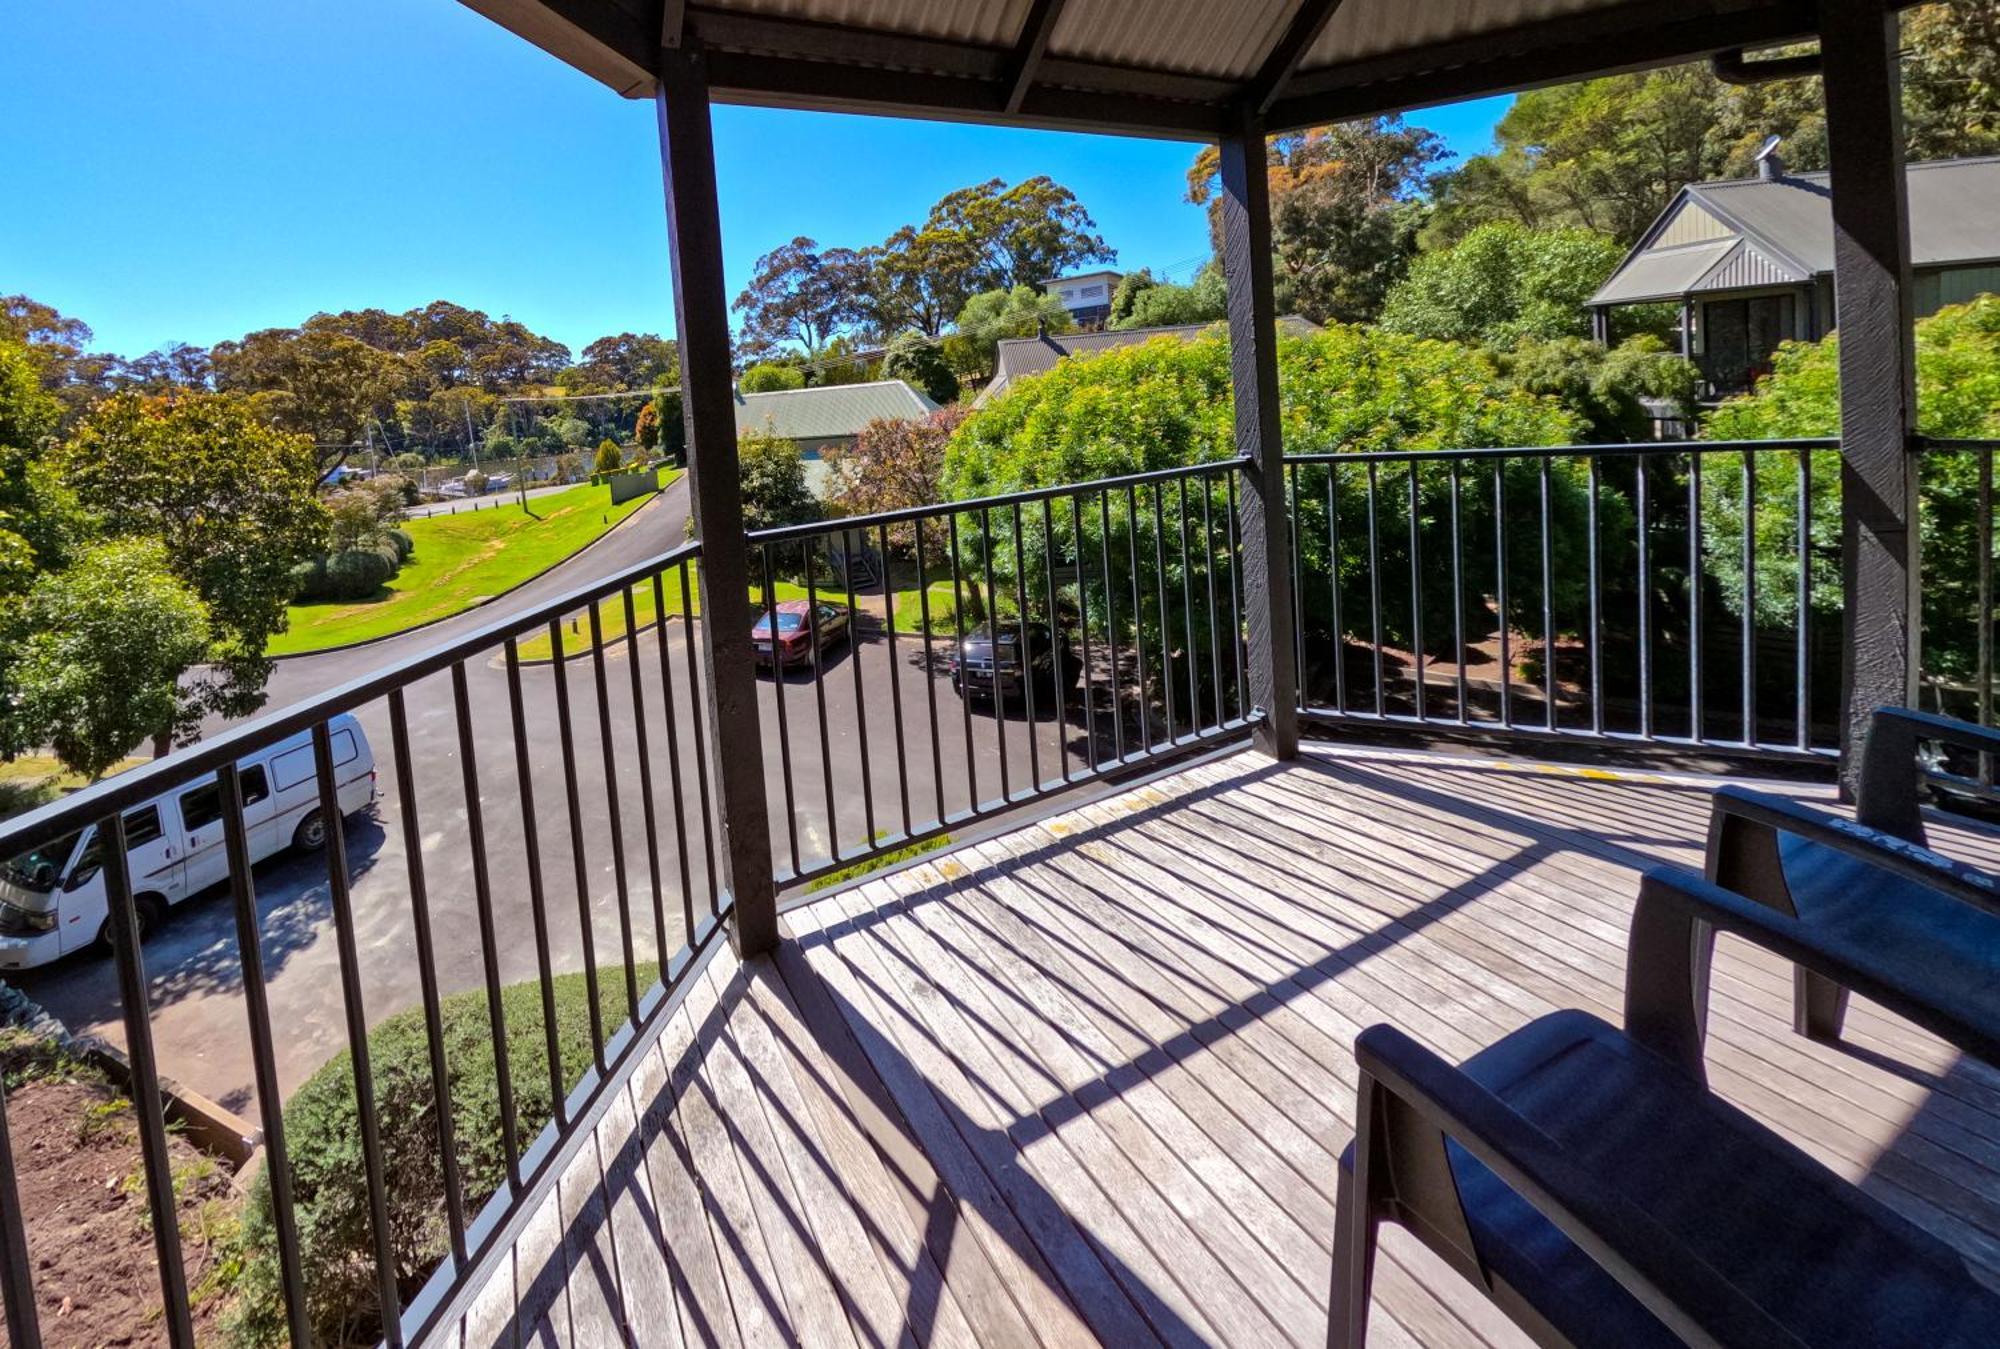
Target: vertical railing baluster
<point x="1333" y="588"/>
<point x="579" y="864"/>
<point x="683" y="844"/>
<point x="1697" y="727"/>
<point x="1187" y="616"/>
<point x="643" y="751"/>
<point x="1500" y="592"/>
<point x="1027" y="653"/>
<point x="1417" y="591"/>
<point x="1749" y="598"/>
<point x="148" y="1106"/>
<point x="1457" y="595"/>
<point x="1061" y="681"/>
<point x="695" y="720"/>
<point x="17" y="1270"/>
<point x="427" y="980"/>
<point x="1111" y="626"/>
<point x="860" y="696"/>
<point x="817" y="666"/>
<point x="1375" y="591"/>
<point x="1548" y="605"/>
<point x="537" y="899"/>
<point x="1594" y="638"/>
<point x="1236" y="603"/>
<point x="489" y="936"/>
<point x="1804" y="658"/>
<point x="958" y="654"/>
<point x="1985" y="533"/>
<point x="1138" y="621"/>
<point x="778" y="696"/>
<point x="1292" y="500"/>
<point x="146" y="1071"/>
<point x="1214" y="618"/>
<point x="1640" y="476"/>
<point x="930" y="679"/>
<point x="1166" y="621"/>
<point x="264" y="1066"/>
<point x="895" y="680"/>
<point x="613" y="813"/>
<point x="991" y="607"/>
<point x="1083" y="625"/>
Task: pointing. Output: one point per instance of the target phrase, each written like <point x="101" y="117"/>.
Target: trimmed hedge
<point x="355" y="574"/>
<point x="329" y="1183"/>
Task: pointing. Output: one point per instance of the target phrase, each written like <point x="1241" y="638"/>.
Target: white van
<point x="52" y="899"/>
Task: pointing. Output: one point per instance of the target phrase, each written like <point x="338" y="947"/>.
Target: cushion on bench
<point x="1828" y="1261"/>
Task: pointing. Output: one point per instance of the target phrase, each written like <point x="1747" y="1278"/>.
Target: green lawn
<point x="611" y="611"/>
<point x="461" y="560"/>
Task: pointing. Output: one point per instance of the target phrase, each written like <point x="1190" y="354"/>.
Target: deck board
<point x="1087" y="1081"/>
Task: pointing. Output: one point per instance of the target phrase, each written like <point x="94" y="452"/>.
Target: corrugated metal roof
<point x="1748" y="267"/>
<point x="1019" y="357"/>
<point x="988" y="22"/>
<point x="1195" y="37"/>
<point x="1954" y="212"/>
<point x="829" y="411"/>
<point x="1362" y="28"/>
<point x="1662" y="273"/>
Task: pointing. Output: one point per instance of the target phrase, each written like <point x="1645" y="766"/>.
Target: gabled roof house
<point x="1750" y="261"/>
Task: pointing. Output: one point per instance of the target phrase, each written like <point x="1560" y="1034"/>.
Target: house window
<point x="1093" y="292"/>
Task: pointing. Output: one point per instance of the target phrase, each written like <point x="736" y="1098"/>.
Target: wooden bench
<point x="1590" y="1184"/>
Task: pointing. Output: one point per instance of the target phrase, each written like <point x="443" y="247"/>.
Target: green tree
<point x="1164" y="304"/>
<point x="317" y="381"/>
<point x="771" y="377"/>
<point x="1604" y="388"/>
<point x="233" y="499"/>
<point x="625" y="361"/>
<point x="1024" y="235"/>
<point x="608" y="459"/>
<point x="1502" y="283"/>
<point x="1345" y="210"/>
<point x="921" y="277"/>
<point x="774" y="482"/>
<point x="1958" y="396"/>
<point x="35" y="524"/>
<point x="994" y="314"/>
<point x="894" y="464"/>
<point x="922" y="364"/>
<point x="801" y="294"/>
<point x="102" y="646"/>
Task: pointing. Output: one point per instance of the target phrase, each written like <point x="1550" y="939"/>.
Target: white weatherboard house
<point x="1750" y="261"/>
<point x="830" y="415"/>
<point x="1087" y="296"/>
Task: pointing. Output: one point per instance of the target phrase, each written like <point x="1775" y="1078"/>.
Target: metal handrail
<point x="1612" y="450"/>
<point x="114" y="795"/>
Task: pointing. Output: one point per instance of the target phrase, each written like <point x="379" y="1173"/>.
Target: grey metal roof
<point x="1161" y="67"/>
<point x="829" y="411"/>
<point x="1019" y="357"/>
<point x="1784" y="231"/>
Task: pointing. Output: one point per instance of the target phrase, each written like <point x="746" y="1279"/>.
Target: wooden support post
<point x="701" y="314"/>
<point x="1253" y="373"/>
<point x="1871" y="279"/>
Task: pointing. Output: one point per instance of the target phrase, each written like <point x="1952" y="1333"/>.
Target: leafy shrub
<point x="329" y="1185"/>
<point x="921" y="363"/>
<point x="1603" y="387"/>
<point x="774" y="482"/>
<point x="608" y="458"/>
<point x="894" y="464"/>
<point x="1501" y="283"/>
<point x="767" y="377"/>
<point x="355" y="574"/>
<point x="1958" y="395"/>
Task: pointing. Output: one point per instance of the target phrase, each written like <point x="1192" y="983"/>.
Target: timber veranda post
<point x="701" y="314"/>
<point x="1880" y="544"/>
<point x="1253" y="373"/>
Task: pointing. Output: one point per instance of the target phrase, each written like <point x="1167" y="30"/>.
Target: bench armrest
<point x="1695" y="1301"/>
<point x="1673" y="939"/>
<point x="1890" y="776"/>
<point x="1742" y="850"/>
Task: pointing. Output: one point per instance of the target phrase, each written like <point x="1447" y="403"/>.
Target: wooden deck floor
<point x="1087" y="1082"/>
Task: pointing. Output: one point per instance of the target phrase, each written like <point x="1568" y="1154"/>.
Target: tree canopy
<point x="1501" y="283"/>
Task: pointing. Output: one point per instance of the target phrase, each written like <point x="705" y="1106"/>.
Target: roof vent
<point x="1770" y="167"/>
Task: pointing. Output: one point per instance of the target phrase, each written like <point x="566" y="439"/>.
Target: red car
<point x="794" y="640"/>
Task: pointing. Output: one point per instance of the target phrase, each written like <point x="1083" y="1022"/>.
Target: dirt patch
<point x="76" y="1151"/>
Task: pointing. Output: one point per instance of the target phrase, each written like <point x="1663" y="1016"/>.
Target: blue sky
<point x="208" y="167"/>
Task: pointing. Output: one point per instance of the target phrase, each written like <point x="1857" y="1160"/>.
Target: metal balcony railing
<point x="958" y="661"/>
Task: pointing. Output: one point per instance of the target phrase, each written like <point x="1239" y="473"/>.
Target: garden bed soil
<point x="76" y="1152"/>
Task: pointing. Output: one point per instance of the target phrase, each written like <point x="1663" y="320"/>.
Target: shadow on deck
<point x="1087" y="1082"/>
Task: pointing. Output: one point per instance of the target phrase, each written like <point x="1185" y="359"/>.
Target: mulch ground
<point x="76" y="1153"/>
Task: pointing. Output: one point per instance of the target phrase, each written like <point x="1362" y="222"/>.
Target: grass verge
<point x="462" y="560"/>
<point x="887" y="859"/>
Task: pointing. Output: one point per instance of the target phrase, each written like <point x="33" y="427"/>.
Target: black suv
<point x="981" y="668"/>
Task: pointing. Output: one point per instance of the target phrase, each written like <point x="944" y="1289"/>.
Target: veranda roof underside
<point x="1177" y="68"/>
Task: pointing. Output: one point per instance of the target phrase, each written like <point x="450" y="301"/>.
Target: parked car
<point x="52" y="898"/>
<point x="983" y="669"/>
<point x="793" y="643"/>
